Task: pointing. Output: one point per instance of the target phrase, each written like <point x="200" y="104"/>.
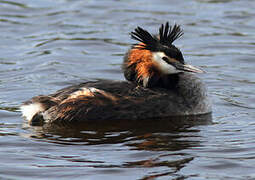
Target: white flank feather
<point x="28" y="111"/>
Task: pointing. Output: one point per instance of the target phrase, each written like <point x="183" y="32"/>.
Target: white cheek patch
<point x="164" y="67"/>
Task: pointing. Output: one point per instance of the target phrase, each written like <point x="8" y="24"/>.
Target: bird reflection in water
<point x="160" y="141"/>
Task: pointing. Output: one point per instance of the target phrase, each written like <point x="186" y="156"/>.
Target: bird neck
<point x="166" y="81"/>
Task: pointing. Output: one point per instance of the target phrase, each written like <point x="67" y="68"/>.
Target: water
<point x="47" y="45"/>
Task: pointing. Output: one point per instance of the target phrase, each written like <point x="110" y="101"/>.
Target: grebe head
<point x="156" y="55"/>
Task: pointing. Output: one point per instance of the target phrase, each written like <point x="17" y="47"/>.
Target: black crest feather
<point x="149" y="42"/>
<point x="167" y="35"/>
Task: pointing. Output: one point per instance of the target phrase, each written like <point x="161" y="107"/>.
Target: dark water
<point x="46" y="45"/>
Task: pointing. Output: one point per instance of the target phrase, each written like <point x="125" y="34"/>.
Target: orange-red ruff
<point x="142" y="58"/>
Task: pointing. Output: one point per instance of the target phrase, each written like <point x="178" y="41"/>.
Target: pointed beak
<point x="188" y="68"/>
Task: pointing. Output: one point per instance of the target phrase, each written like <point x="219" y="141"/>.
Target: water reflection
<point x="93" y="133"/>
<point x="145" y="144"/>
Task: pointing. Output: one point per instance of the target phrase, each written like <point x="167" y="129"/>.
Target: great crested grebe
<point x="159" y="85"/>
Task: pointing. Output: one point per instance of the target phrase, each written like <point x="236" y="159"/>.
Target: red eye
<point x="166" y="60"/>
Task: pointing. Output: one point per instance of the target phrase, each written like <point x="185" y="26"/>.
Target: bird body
<point x="159" y="85"/>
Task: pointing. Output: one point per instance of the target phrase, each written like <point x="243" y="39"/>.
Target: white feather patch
<point x="28" y="111"/>
<point x="88" y="91"/>
<point x="91" y="92"/>
<point x="145" y="81"/>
